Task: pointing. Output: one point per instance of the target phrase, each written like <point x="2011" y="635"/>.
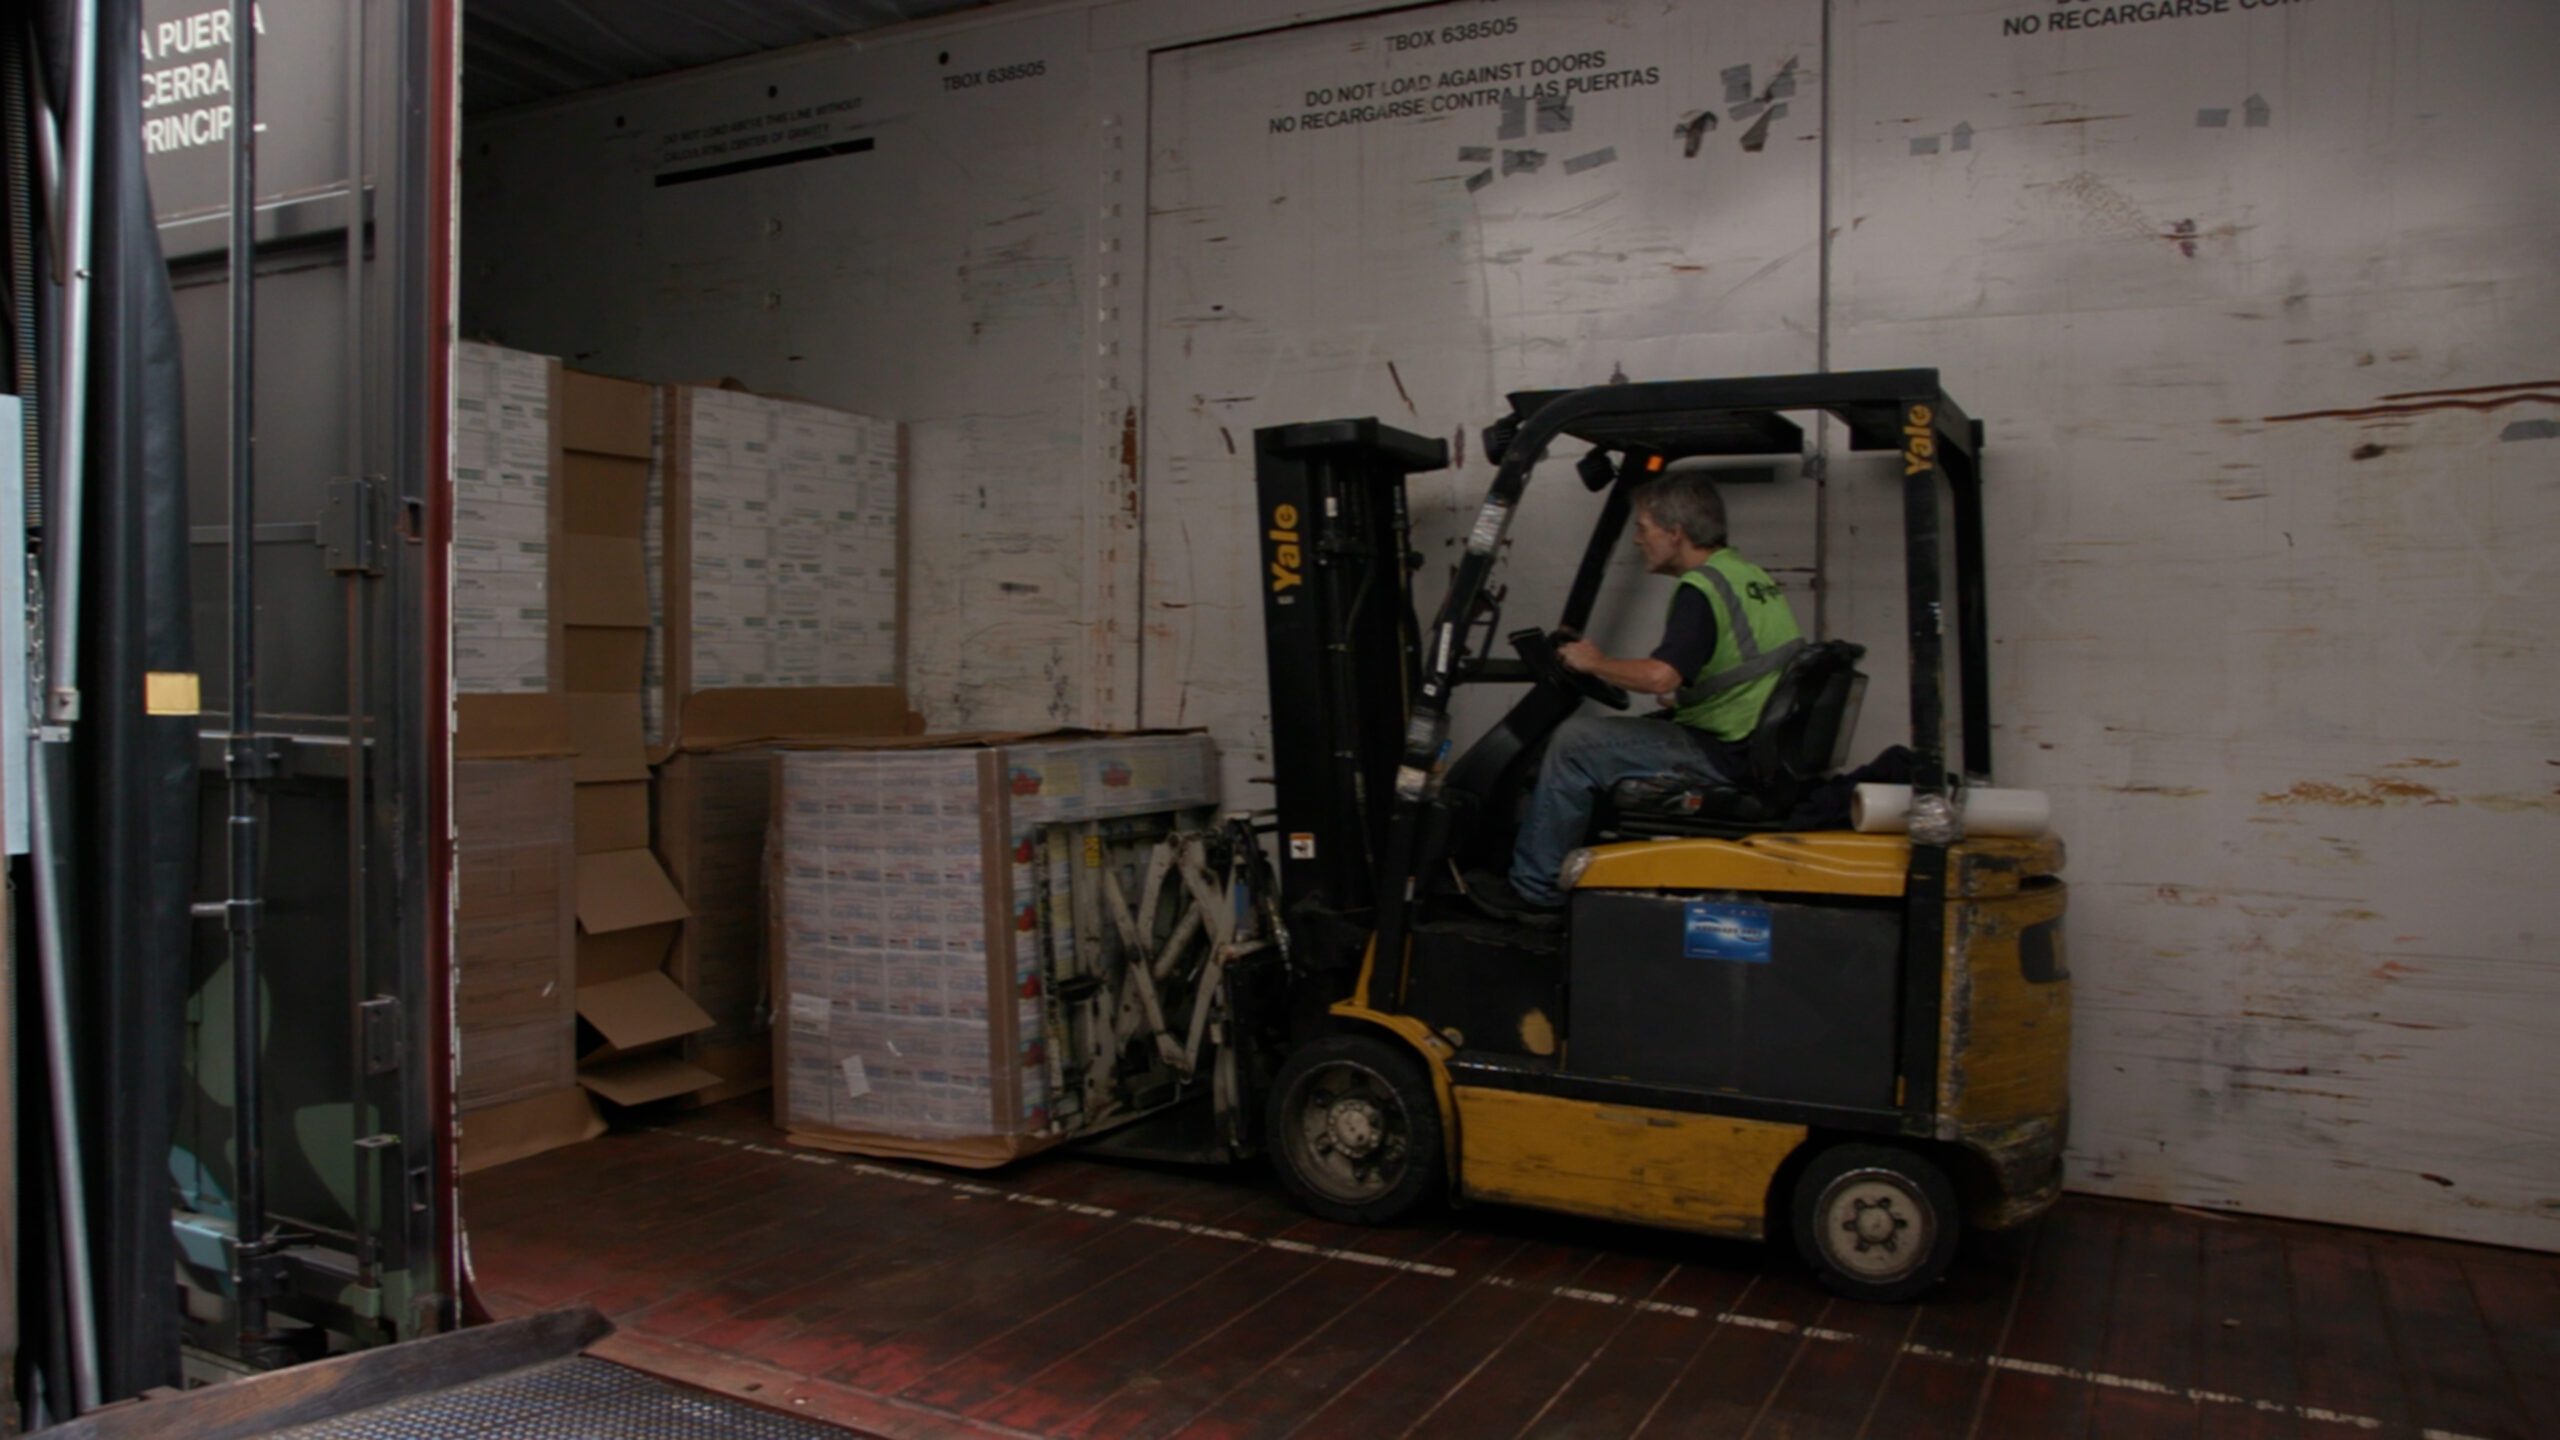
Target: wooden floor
<point x="1076" y="1297"/>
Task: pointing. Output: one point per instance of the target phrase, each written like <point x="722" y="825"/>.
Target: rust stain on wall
<point x="2373" y="791"/>
<point x="2423" y="407"/>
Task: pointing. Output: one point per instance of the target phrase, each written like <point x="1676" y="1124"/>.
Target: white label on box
<point x="856" y="1083"/>
<point x="809" y="1012"/>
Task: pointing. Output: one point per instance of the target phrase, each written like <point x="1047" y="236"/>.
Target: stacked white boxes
<point x="907" y="925"/>
<point x="502" y="480"/>
<point x="789" y="557"/>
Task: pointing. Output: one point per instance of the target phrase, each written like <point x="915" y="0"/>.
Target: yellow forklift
<point x="1856" y="1040"/>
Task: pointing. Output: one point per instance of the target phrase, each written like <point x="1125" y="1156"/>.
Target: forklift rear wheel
<point x="1876" y="1223"/>
<point x="1355" y="1129"/>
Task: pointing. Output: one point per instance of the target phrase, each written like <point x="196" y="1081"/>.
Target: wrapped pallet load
<point x="921" y="919"/>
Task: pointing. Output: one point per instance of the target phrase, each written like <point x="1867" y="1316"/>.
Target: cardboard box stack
<point x="906" y="930"/>
<point x="515" y="856"/>
<point x="517" y="875"/>
<point x="506" y="513"/>
<point x="632" y="1011"/>
<point x="780" y="595"/>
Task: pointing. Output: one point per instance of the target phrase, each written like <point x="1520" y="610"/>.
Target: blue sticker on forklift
<point x="1718" y="931"/>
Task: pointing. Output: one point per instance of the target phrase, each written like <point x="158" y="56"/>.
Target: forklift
<point x="1859" y="1041"/>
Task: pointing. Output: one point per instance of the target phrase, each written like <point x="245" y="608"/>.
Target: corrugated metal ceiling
<point x="518" y="51"/>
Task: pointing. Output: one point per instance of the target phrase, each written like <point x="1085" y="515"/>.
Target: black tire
<point x="1876" y="1223"/>
<point x="1354" y="1129"/>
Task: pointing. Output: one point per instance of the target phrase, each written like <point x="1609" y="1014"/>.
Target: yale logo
<point x="1919" y="447"/>
<point x="1286" y="566"/>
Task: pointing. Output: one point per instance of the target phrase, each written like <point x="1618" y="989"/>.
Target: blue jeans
<point x="1587" y="755"/>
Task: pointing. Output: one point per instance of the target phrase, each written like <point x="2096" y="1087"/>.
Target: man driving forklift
<point x="1743" y="1024"/>
<point x="1729" y="633"/>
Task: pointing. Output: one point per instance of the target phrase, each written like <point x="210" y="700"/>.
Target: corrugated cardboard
<point x="628" y="910"/>
<point x="605" y="661"/>
<point x="624" y="890"/>
<point x="604" y="415"/>
<point x="615" y="954"/>
<point x="527" y="1127"/>
<point x="791" y="550"/>
<point x="639" y="1011"/>
<point x="510" y="727"/>
<point x="605" y="728"/>
<point x="644" y="1078"/>
<point x="824" y="715"/>
<point x="604" y="494"/>
<point x="613" y="817"/>
<point x="598" y="580"/>
<point x="712" y="811"/>
<point x="905" y="926"/>
<point x="514" y="917"/>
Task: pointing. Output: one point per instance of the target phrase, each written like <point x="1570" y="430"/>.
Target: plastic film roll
<point x="1886" y="810"/>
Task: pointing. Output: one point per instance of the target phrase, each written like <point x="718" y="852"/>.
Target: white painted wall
<point x="2295" y="707"/>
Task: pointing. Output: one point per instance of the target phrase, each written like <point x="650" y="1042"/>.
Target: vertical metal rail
<point x="361" y="1157"/>
<point x="62" y="538"/>
<point x="50" y="771"/>
<point x="246" y="766"/>
<point x="1818" y="465"/>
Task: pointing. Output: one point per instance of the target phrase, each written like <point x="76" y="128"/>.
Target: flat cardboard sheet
<point x="641" y="951"/>
<point x="601" y="580"/>
<point x="639" y="1011"/>
<point x="605" y="660"/>
<point x="623" y="890"/>
<point x="510" y="727"/>
<point x="613" y="816"/>
<point x="644" y="1078"/>
<point x="813" y="715"/>
<point x="604" y="729"/>
<point x="527" y="1127"/>
<point x="604" y="415"/>
<point x="605" y="495"/>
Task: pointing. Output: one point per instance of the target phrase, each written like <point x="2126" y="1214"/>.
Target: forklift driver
<point x="1729" y="633"/>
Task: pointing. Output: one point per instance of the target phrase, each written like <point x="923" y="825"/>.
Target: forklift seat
<point x="1803" y="736"/>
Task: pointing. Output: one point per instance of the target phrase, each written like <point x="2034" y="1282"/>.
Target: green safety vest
<point x="1756" y="635"/>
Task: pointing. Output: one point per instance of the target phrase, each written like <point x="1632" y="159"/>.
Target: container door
<point x="354" y="107"/>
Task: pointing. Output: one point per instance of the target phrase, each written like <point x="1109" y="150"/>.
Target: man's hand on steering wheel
<point x="1572" y="656"/>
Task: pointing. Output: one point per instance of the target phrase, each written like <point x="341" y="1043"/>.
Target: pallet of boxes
<point x="987" y="945"/>
<point x="653" y="586"/>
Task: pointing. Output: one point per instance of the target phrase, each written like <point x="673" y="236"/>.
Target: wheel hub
<point x="1354" y="1126"/>
<point x="1874" y="1227"/>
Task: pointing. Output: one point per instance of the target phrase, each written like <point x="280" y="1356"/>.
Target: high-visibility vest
<point x="1756" y="635"/>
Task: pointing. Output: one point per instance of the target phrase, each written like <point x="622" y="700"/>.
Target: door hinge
<point x="382" y="1045"/>
<point x="353" y="527"/>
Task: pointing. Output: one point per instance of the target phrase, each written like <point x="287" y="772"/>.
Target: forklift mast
<point x="1340" y="630"/>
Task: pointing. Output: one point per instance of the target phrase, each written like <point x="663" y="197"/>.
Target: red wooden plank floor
<point x="1078" y="1297"/>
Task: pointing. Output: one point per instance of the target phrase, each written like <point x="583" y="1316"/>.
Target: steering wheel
<point x="1538" y="651"/>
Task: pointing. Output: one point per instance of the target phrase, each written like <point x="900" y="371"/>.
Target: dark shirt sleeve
<point x="1689" y="637"/>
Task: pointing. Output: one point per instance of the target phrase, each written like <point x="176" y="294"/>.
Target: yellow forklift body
<point x="1817" y="862"/>
<point x="1620" y="1162"/>
<point x="2003" y="1062"/>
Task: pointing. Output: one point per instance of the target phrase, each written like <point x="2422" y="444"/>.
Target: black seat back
<point x="1804" y="730"/>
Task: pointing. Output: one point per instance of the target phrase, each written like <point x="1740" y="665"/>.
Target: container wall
<point x="2250" y="297"/>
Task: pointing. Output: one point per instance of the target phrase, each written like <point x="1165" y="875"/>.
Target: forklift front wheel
<point x="1355" y="1129"/>
<point x="1876" y="1223"/>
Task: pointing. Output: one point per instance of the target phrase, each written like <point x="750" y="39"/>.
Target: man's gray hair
<point x="1687" y="502"/>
